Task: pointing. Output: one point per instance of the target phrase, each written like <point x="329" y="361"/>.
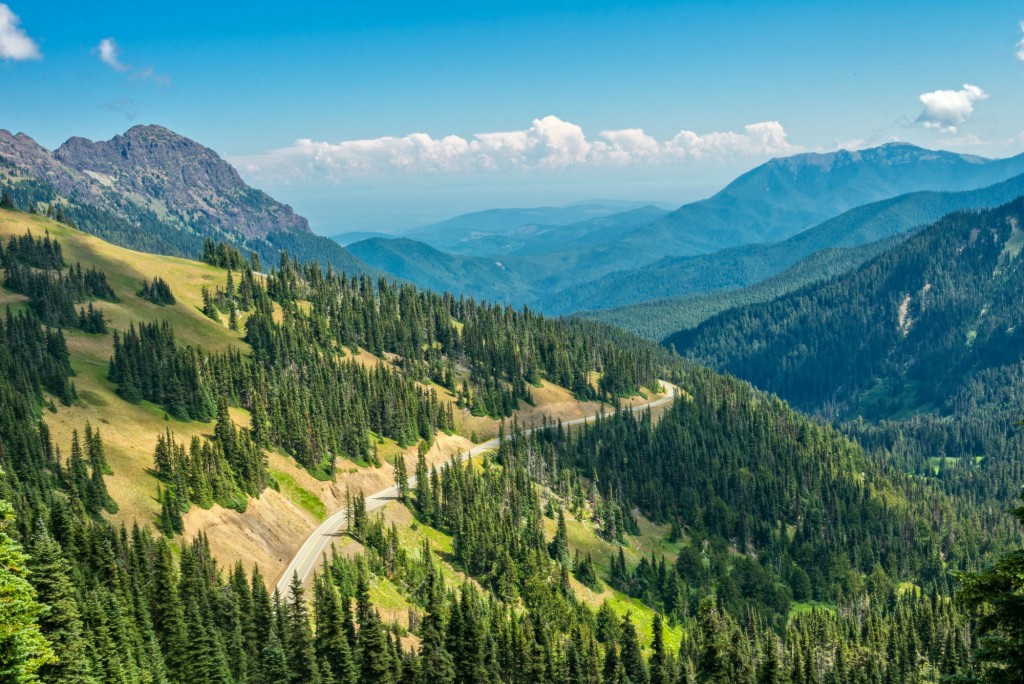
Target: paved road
<point x="308" y="556"/>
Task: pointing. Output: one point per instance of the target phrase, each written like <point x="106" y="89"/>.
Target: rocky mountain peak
<point x="179" y="177"/>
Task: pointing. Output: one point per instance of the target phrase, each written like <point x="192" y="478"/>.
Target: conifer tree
<point x="996" y="595"/>
<point x="61" y="624"/>
<point x="424" y="499"/>
<point x="401" y="478"/>
<point x="209" y="308"/>
<point x="436" y="663"/>
<point x="631" y="656"/>
<point x="559" y="548"/>
<point x="23" y="648"/>
<point x="298" y="647"/>
<point x="712" y="660"/>
<point x="658" y="664"/>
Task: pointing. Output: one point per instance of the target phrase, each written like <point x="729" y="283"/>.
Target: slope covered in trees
<point x="659" y="318"/>
<point x="768" y="510"/>
<point x="930" y="325"/>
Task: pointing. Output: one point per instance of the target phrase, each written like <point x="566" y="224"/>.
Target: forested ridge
<point x="802" y="557"/>
<point x="918" y="328"/>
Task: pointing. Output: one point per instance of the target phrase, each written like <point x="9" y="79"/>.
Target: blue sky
<point x="518" y="104"/>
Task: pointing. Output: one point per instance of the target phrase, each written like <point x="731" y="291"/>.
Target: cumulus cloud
<point x="947" y="109"/>
<point x="15" y="44"/>
<point x="1020" y="44"/>
<point x="110" y="55"/>
<point x="548" y="143"/>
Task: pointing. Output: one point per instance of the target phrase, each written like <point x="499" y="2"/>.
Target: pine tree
<point x="401" y="478"/>
<point x="374" y="654"/>
<point x="424" y="500"/>
<point x="23" y="648"/>
<point x="712" y="660"/>
<point x="298" y="646"/>
<point x="631" y="656"/>
<point x="658" y="664"/>
<point x="996" y="595"/>
<point x="272" y="661"/>
<point x="209" y="308"/>
<point x="770" y="671"/>
<point x="61" y="624"/>
<point x="79" y="474"/>
<point x="436" y="663"/>
<point x="559" y="548"/>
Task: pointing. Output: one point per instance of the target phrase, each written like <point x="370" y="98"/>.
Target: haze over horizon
<point x="515" y="104"/>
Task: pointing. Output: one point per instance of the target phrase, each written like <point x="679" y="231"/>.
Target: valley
<point x="253" y="464"/>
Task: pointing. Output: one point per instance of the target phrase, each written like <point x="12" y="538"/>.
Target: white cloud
<point x="1020" y="44"/>
<point x="548" y="144"/>
<point x="110" y="55"/>
<point x="15" y="44"/>
<point x="947" y="109"/>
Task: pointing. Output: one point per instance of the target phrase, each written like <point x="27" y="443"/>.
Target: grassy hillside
<point x="276" y="522"/>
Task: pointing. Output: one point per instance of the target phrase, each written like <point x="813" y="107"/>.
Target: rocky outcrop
<point x="187" y="185"/>
<point x="179" y="177"/>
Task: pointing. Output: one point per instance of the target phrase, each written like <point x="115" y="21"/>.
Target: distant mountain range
<point x="736" y="238"/>
<point x="785" y="196"/>
<point x="689" y="285"/>
<point x="156" y="190"/>
<point x="505" y="231"/>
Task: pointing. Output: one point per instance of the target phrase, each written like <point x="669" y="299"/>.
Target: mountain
<point x="538" y="241"/>
<point x="756" y="227"/>
<point x="932" y="325"/>
<point x="417" y="262"/>
<point x="658" y="318"/>
<point x="154" y="189"/>
<point x="469" y="233"/>
<point x="785" y="196"/>
<point x="180" y="178"/>
<point x="346" y="239"/>
<point x="523" y="266"/>
<point x="732" y="276"/>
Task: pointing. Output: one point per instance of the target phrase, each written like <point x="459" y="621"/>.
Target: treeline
<point x="35" y="358"/>
<point x="226" y="470"/>
<point x="432" y="335"/>
<point x="307" y="397"/>
<point x="317" y="409"/>
<point x="148" y="364"/>
<point x="33" y="267"/>
<point x="157" y="291"/>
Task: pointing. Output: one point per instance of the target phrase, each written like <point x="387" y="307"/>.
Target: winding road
<point x="308" y="556"/>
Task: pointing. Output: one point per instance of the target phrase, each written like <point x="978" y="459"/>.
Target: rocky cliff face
<point x="182" y="182"/>
<point x="180" y="178"/>
<point x="21" y="155"/>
